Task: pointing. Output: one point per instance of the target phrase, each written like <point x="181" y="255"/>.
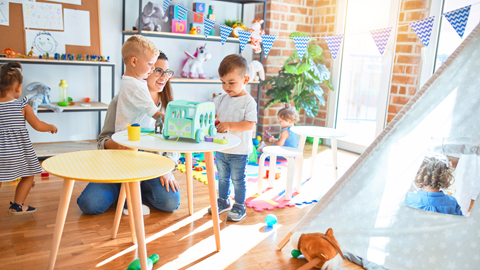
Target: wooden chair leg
<point x="273" y="170"/>
<point x="130" y="216"/>
<point x="213" y="197"/>
<point x="290" y="178"/>
<point x="60" y="222"/>
<point x="261" y="163"/>
<point x="188" y="169"/>
<point x="118" y="212"/>
<point x="135" y="211"/>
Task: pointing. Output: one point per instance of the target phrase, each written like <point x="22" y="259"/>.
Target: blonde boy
<point x="237" y="113"/>
<point x="134" y="101"/>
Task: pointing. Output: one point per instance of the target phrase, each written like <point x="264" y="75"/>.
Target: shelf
<point x="94" y="107"/>
<point x="55" y="62"/>
<point x="243" y="1"/>
<point x="45" y="150"/>
<point x="200" y="81"/>
<point x="180" y="36"/>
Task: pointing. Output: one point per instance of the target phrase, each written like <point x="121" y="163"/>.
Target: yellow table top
<point x="108" y="166"/>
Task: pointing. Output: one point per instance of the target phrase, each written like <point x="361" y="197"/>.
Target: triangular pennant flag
<point x="458" y="18"/>
<point x="166" y="3"/>
<point x="423" y="29"/>
<point x="182" y="10"/>
<point x="267" y="41"/>
<point x="243" y="36"/>
<point x="333" y="43"/>
<point x="225" y="32"/>
<point x="301" y="44"/>
<point x="208" y="25"/>
<point x="380" y="37"/>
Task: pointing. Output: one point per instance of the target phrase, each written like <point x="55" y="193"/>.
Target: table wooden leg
<point x="213" y="196"/>
<point x="118" y="212"/>
<point x="273" y="171"/>
<point x="299" y="162"/>
<point x="314" y="155"/>
<point x="334" y="155"/>
<point x="188" y="169"/>
<point x="135" y="210"/>
<point x="130" y="216"/>
<point x="61" y="216"/>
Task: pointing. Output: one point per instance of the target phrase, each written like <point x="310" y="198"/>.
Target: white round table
<point x="155" y="142"/>
<point x="317" y="133"/>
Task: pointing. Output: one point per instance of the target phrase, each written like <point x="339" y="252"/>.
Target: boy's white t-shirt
<point x="134" y="102"/>
<point x="237" y="109"/>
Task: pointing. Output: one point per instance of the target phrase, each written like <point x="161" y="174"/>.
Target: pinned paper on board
<point x="43" y="16"/>
<point x="45" y="42"/>
<point x="4" y="12"/>
<point x="77" y="27"/>
<point x="73" y="2"/>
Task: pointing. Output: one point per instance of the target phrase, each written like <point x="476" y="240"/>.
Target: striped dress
<point x="17" y="157"/>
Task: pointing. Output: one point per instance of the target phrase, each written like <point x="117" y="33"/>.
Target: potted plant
<point x="299" y="80"/>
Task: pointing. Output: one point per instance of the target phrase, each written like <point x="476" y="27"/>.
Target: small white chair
<point x="289" y="153"/>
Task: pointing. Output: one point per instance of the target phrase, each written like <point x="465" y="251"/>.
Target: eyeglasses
<point x="160" y="72"/>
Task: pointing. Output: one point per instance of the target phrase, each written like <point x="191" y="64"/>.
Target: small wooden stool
<point x="289" y="153"/>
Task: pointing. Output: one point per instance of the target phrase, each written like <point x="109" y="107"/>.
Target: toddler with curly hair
<point x="434" y="174"/>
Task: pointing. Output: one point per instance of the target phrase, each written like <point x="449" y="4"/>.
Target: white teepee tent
<point x="366" y="206"/>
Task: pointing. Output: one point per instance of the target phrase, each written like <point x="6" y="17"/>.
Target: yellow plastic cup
<point x="134" y="132"/>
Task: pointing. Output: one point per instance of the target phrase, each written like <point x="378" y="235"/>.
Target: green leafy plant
<point x="299" y="80"/>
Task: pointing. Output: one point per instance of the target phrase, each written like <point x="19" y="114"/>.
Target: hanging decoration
<point x="333" y="43"/>
<point x="423" y="29"/>
<point x="458" y="19"/>
<point x="166" y="3"/>
<point x="380" y="37"/>
<point x="182" y="10"/>
<point x="301" y="44"/>
<point x="225" y="32"/>
<point x="267" y="41"/>
<point x="244" y="36"/>
<point x="208" y="24"/>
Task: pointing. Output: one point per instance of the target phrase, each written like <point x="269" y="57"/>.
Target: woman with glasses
<point x="162" y="193"/>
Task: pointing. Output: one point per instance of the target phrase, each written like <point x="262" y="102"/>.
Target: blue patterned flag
<point x="458" y="18"/>
<point x="208" y="24"/>
<point x="225" y="32"/>
<point x="333" y="43"/>
<point x="267" y="41"/>
<point x="301" y="44"/>
<point x="380" y="37"/>
<point x="182" y="10"/>
<point x="166" y="3"/>
<point x="244" y="36"/>
<point x="423" y="29"/>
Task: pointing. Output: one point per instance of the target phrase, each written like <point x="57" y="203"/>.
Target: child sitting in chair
<point x="287" y="117"/>
<point x="434" y="174"/>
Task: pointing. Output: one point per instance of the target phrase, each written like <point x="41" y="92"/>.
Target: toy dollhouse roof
<point x="366" y="206"/>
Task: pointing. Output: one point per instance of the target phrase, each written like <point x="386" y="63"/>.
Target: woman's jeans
<point x="98" y="197"/>
<point x="231" y="166"/>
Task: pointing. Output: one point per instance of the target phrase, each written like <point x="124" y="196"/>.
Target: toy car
<point x="187" y="119"/>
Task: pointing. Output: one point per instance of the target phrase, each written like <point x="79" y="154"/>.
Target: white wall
<point x="83" y="81"/>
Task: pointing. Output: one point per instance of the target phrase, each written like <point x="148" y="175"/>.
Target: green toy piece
<point x="296" y="253"/>
<point x="220" y="141"/>
<point x="135" y="265"/>
<point x="253" y="157"/>
<point x="310" y="140"/>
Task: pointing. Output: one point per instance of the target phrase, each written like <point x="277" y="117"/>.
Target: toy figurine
<point x="41" y="99"/>
<point x="256" y="36"/>
<point x="252" y="70"/>
<point x="47" y="55"/>
<point x="193" y="64"/>
<point x="193" y="31"/>
<point x="39" y="57"/>
<point x="10" y="53"/>
<point x="30" y="53"/>
<point x="87" y="57"/>
<point x="238" y="26"/>
<point x="79" y="57"/>
<point x="151" y="15"/>
<point x="135" y="265"/>
<point x="64" y="57"/>
<point x="159" y="125"/>
<point x="56" y="56"/>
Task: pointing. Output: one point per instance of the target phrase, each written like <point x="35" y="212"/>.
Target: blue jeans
<point x="231" y="166"/>
<point x="98" y="197"/>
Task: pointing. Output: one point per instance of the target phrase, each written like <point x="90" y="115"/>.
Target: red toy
<point x="44" y="174"/>
<point x="277" y="175"/>
<point x="198" y="169"/>
<point x="87" y="99"/>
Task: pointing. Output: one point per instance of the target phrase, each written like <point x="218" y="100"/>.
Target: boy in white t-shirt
<point x="134" y="100"/>
<point x="237" y="113"/>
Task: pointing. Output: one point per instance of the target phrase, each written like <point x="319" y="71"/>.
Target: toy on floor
<point x="135" y="265"/>
<point x="310" y="140"/>
<point x="256" y="36"/>
<point x="277" y="175"/>
<point x="10" y="53"/>
<point x="192" y="66"/>
<point x="151" y="16"/>
<point x="253" y="156"/>
<point x="44" y="174"/>
<point x="41" y="99"/>
<point x="187" y="119"/>
<point x="271" y="220"/>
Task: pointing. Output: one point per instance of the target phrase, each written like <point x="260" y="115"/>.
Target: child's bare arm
<point x="155" y="116"/>
<point x="36" y="124"/>
<point x="237" y="126"/>
<point x="281" y="141"/>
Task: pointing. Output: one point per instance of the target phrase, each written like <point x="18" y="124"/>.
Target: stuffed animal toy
<point x="252" y="70"/>
<point x="151" y="15"/>
<point x="41" y="99"/>
<point x="192" y="66"/>
<point x="321" y="251"/>
<point x="256" y="36"/>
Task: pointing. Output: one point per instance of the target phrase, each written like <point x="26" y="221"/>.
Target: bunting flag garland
<point x="423" y="29"/>
<point x="267" y="41"/>
<point x="380" y="37"/>
<point x="301" y="44"/>
<point x="333" y="43"/>
<point x="225" y="32"/>
<point x="182" y="10"/>
<point x="243" y="36"/>
<point x="208" y="24"/>
<point x="458" y="19"/>
<point x="166" y="3"/>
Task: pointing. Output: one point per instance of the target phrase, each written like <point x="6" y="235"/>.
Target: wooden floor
<point x="180" y="240"/>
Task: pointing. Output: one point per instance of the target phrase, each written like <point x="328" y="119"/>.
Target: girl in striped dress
<point x="17" y="157"/>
